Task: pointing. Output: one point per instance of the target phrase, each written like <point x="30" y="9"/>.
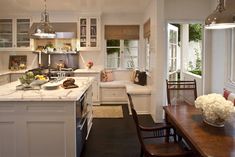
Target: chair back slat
<point x="179" y="92"/>
<point x="136" y="120"/>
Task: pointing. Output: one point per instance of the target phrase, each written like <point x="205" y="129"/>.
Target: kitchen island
<point x="43" y="123"/>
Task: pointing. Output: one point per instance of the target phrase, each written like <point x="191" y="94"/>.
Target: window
<point x="122" y="53"/>
<point x="146" y="34"/>
<point x="147" y="54"/>
<point x="194" y="61"/>
<point x="231" y="60"/>
<point x="173" y="53"/>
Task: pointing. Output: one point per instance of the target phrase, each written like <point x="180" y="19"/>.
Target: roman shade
<point x="147" y="29"/>
<point x="122" y="32"/>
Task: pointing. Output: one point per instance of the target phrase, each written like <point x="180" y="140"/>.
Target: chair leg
<point x="141" y="153"/>
<point x="174" y="134"/>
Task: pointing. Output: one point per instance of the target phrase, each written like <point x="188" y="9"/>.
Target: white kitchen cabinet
<point x="14" y="34"/>
<point x="89" y="33"/>
<point x="95" y="84"/>
<point x="113" y="94"/>
<point x="4" y="79"/>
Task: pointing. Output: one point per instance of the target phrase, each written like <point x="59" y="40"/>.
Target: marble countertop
<point x="92" y="70"/>
<point x="8" y="91"/>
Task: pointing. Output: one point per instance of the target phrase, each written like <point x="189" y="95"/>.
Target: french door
<point x="173" y="54"/>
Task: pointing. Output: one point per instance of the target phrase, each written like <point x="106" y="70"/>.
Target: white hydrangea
<point x="214" y="106"/>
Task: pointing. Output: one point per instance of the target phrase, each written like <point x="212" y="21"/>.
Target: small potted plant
<point x="89" y="64"/>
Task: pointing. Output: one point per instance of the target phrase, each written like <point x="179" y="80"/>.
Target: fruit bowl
<point x="39" y="82"/>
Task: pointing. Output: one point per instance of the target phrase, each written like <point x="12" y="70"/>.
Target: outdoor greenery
<point x="198" y="67"/>
<point x="195" y="32"/>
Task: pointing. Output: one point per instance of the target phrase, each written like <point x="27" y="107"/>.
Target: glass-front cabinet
<point x="6" y="33"/>
<point x="22" y="36"/>
<point x="14" y="34"/>
<point x="89" y="33"/>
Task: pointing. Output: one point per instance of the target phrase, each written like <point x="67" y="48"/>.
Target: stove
<point x="52" y="72"/>
<point x="63" y="72"/>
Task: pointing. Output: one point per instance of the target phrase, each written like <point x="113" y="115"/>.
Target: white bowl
<point x="51" y="85"/>
<point x="39" y="82"/>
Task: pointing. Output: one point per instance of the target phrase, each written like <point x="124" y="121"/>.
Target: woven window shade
<point x="122" y="32"/>
<point x="147" y="29"/>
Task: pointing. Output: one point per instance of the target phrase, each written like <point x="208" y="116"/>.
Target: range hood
<point x="65" y="30"/>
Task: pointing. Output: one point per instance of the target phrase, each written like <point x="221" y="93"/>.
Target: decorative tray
<point x="23" y="87"/>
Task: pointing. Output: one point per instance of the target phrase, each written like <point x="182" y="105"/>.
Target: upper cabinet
<point x="14" y="34"/>
<point x="89" y="33"/>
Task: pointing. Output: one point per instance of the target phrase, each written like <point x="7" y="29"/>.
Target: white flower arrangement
<point x="215" y="107"/>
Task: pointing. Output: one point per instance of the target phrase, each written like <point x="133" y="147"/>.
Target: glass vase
<point x="216" y="123"/>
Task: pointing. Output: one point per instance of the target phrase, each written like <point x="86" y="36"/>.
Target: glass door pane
<point x="22" y="39"/>
<point x="93" y="32"/>
<point x="83" y="32"/>
<point x="6" y="33"/>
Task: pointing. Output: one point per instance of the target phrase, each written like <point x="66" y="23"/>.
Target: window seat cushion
<point x="137" y="89"/>
<point x="115" y="84"/>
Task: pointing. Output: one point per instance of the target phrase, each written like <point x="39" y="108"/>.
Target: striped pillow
<point x="228" y="95"/>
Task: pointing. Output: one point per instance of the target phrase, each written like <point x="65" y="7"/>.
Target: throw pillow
<point x="133" y="75"/>
<point x="106" y="75"/>
<point x="140" y="78"/>
<point x="228" y="95"/>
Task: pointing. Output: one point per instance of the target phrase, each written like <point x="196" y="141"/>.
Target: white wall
<point x="217" y="57"/>
<point x="187" y="9"/>
<point x="151" y="14"/>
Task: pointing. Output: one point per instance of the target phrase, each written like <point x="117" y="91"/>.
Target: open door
<point x="173" y="54"/>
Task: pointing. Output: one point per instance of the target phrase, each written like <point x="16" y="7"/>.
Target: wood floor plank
<point x="114" y="137"/>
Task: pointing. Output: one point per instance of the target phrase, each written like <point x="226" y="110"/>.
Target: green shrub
<point x="197" y="72"/>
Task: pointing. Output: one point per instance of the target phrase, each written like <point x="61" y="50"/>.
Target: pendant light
<point x="220" y="18"/>
<point x="44" y="29"/>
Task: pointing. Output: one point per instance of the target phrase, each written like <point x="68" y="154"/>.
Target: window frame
<point x="122" y="55"/>
<point x="231" y="60"/>
<point x="147" y="53"/>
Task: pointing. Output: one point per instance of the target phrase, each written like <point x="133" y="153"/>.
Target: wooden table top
<point x="206" y="140"/>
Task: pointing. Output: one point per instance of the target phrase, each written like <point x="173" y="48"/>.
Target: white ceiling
<point x="104" y="6"/>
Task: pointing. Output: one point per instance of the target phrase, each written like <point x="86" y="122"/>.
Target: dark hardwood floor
<point x="115" y="137"/>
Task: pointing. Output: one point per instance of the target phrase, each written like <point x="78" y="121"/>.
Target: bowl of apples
<point x="40" y="79"/>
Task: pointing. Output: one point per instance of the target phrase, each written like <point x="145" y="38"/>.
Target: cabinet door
<point x="22" y="36"/>
<point x="95" y="92"/>
<point x="93" y="32"/>
<point x="83" y="32"/>
<point x="89" y="33"/>
<point x="4" y="79"/>
<point x="6" y="33"/>
<point x="15" y="77"/>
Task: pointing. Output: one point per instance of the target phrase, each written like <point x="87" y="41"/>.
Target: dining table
<point x="204" y="140"/>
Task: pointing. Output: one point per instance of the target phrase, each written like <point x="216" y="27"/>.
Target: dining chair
<point x="159" y="147"/>
<point x="181" y="92"/>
